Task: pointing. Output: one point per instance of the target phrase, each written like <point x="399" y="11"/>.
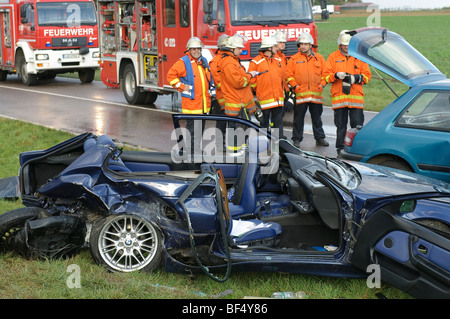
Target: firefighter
<point x="347" y="75"/>
<point x="215" y="71"/>
<point x="219" y="99"/>
<point x="235" y="85"/>
<point x="304" y="73"/>
<point x="268" y="86"/>
<point x="191" y="76"/>
<point x="234" y="80"/>
<point x="281" y="38"/>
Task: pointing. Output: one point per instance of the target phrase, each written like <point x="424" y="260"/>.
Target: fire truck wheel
<point x="132" y="93"/>
<point x="27" y="79"/>
<point x="3" y="75"/>
<point x="86" y="75"/>
<point x="151" y="98"/>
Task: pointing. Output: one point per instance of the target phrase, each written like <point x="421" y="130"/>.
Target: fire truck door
<point x="7" y="48"/>
<point x="173" y="35"/>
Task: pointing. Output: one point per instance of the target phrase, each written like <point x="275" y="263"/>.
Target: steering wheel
<point x="429" y="119"/>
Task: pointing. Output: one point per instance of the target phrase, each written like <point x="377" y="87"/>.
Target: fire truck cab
<point x="41" y="38"/>
<point x="141" y="39"/>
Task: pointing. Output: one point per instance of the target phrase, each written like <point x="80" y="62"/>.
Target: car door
<point x="408" y="240"/>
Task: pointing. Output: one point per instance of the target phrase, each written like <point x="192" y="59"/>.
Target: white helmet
<point x="236" y="41"/>
<point x="194" y="42"/>
<point x="344" y="38"/>
<point x="222" y="41"/>
<point x="268" y="42"/>
<point x="305" y="37"/>
<point x="280" y="36"/>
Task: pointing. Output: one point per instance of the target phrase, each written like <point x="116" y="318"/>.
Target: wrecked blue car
<point x="271" y="207"/>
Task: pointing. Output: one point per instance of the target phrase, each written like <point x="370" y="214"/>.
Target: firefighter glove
<point x="340" y="75"/>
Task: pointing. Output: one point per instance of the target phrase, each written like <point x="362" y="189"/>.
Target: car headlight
<point x="96" y="54"/>
<point x="41" y="56"/>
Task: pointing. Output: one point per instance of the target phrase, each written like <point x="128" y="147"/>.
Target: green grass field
<point x="20" y="278"/>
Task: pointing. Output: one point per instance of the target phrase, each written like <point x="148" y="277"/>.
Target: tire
<point x="3" y="75"/>
<point x="86" y="75"/>
<point x="27" y="79"/>
<point x="150" y="98"/>
<point x="131" y="91"/>
<point x="125" y="243"/>
<point x="13" y="221"/>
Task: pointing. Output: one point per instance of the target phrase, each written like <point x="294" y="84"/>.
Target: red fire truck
<point x="141" y="39"/>
<point x="41" y="38"/>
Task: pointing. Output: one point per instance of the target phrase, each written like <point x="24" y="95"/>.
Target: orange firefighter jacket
<point x="337" y="62"/>
<point x="215" y="72"/>
<point x="268" y="86"/>
<point x="235" y="85"/>
<point x="200" y="103"/>
<point x="305" y="74"/>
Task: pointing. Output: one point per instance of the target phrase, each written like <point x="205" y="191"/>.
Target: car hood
<point x="393" y="55"/>
<point x="381" y="181"/>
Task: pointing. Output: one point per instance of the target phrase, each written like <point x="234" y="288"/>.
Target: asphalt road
<point x="68" y="105"/>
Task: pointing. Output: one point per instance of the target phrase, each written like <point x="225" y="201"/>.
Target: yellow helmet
<point x="222" y="41"/>
<point x="236" y="41"/>
<point x="280" y="36"/>
<point x="305" y="37"/>
<point x="268" y="42"/>
<point x="194" y="42"/>
<point x="344" y="38"/>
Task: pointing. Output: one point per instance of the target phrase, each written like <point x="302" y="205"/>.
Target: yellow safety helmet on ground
<point x="194" y="42"/>
<point x="344" y="38"/>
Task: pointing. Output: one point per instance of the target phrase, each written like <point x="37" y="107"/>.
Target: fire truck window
<point x="169" y="13"/>
<point x="184" y="13"/>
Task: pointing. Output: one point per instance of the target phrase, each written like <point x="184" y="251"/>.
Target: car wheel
<point x="131" y="91"/>
<point x="391" y="161"/>
<point x="13" y="221"/>
<point x="27" y="79"/>
<point x="86" y="75"/>
<point x="126" y="243"/>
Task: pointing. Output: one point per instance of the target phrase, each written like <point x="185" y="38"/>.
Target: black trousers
<point x="341" y="117"/>
<point x="299" y="120"/>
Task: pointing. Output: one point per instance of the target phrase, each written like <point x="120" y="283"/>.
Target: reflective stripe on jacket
<point x="306" y="72"/>
<point x="337" y="62"/>
<point x="268" y="86"/>
<point x="199" y="99"/>
<point x="235" y="85"/>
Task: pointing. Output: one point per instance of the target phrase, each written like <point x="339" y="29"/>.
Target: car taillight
<point x="350" y="135"/>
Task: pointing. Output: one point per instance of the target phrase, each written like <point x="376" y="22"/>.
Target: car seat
<point x="246" y="201"/>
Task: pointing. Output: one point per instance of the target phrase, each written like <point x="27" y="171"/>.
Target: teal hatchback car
<point x="413" y="132"/>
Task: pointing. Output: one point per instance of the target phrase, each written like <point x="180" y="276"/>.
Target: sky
<point x="413" y="4"/>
